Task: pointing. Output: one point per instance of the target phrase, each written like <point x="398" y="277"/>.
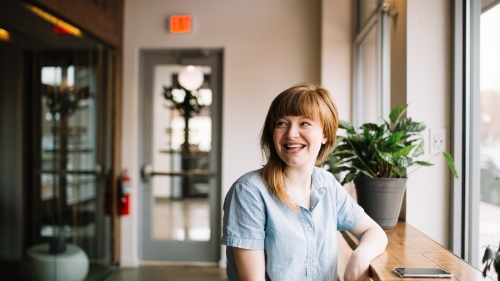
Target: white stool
<point x="70" y="265"/>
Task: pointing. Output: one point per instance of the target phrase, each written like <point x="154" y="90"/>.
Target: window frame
<point x="379" y="20"/>
<point x="465" y="137"/>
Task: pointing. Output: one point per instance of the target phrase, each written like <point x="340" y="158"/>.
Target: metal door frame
<point x="183" y="251"/>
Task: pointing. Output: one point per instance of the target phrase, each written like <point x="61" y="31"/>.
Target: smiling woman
<point x="280" y="222"/>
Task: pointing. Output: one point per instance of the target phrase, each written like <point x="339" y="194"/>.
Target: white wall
<point x="336" y="53"/>
<point x="428" y="93"/>
<point x="271" y="45"/>
<point x="268" y="46"/>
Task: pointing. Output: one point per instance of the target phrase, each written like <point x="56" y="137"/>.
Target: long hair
<point x="308" y="100"/>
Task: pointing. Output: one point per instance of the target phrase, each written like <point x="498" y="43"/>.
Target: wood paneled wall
<point x="101" y="18"/>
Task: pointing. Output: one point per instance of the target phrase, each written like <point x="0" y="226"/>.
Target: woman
<point x="280" y="222"/>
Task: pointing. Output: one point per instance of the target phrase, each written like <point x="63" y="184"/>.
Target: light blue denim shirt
<point x="297" y="246"/>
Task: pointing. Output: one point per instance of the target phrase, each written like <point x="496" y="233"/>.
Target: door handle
<point x="97" y="171"/>
<point x="147" y="172"/>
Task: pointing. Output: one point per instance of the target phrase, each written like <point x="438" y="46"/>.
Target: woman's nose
<point x="293" y="131"/>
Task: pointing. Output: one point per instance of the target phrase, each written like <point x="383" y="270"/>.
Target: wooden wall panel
<point x="101" y="18"/>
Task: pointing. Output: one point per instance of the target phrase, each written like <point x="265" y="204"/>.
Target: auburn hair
<point x="307" y="100"/>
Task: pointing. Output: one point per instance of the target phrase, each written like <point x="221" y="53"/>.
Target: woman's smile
<point x="298" y="140"/>
<point x="293" y="147"/>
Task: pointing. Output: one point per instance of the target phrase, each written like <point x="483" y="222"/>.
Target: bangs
<point x="299" y="103"/>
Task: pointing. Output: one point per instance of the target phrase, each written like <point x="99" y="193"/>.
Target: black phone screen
<point x="422" y="272"/>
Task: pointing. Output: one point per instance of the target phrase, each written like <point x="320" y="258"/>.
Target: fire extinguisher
<point x="124" y="191"/>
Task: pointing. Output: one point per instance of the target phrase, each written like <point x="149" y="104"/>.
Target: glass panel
<point x="181" y="204"/>
<point x="489" y="208"/>
<point x="55" y="88"/>
<point x="369" y="92"/>
<point x="68" y="121"/>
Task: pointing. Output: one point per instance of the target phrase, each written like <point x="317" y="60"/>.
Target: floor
<point x="180" y="220"/>
<point x="169" y="273"/>
<point x="176" y="220"/>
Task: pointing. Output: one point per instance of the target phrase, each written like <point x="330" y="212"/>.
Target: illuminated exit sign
<point x="180" y="23"/>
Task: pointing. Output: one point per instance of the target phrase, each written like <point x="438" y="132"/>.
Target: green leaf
<point x="423" y="163"/>
<point x="394" y="138"/>
<point x="387" y="157"/>
<point x="357" y="138"/>
<point x="485" y="270"/>
<point x="415" y="127"/>
<point x="348" y="178"/>
<point x="402" y="162"/>
<point x="370" y="127"/>
<point x="449" y="159"/>
<point x="339" y="169"/>
<point x="403" y="151"/>
<point x="397" y="113"/>
<point x="489" y="254"/>
<point x="419" y="150"/>
<point x="384" y="150"/>
<point x="346" y="126"/>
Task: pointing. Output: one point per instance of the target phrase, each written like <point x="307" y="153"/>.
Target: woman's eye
<point x="305" y="124"/>
<point x="280" y="124"/>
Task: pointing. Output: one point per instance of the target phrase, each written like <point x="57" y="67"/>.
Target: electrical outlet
<point x="437" y="140"/>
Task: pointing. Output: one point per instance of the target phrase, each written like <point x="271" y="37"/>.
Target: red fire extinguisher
<point x="124" y="190"/>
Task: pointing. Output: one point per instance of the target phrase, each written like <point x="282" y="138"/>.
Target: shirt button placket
<point x="310" y="242"/>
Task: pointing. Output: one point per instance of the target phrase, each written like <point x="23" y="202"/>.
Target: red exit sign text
<point x="180" y="23"/>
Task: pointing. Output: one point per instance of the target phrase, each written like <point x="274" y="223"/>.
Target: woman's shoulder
<point x="323" y="176"/>
<point x="250" y="179"/>
<point x="247" y="186"/>
<point x="248" y="176"/>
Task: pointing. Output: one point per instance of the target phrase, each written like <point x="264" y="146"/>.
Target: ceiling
<point x="28" y="30"/>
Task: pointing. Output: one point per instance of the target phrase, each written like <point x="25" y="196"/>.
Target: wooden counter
<point x="408" y="247"/>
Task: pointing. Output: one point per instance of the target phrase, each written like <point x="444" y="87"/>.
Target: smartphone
<point x="422" y="272"/>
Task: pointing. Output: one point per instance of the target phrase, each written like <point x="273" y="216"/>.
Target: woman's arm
<point x="372" y="243"/>
<point x="250" y="264"/>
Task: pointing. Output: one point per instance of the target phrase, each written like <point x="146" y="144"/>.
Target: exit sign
<point x="180" y="23"/>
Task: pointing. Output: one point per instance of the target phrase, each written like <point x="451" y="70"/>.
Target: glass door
<point x="68" y="187"/>
<point x="181" y="120"/>
<point x="56" y="90"/>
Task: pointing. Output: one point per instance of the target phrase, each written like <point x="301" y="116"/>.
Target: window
<point x="489" y="136"/>
<point x="371" y="68"/>
<point x="477" y="136"/>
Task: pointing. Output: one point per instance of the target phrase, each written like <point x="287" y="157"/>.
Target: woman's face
<point x="297" y="140"/>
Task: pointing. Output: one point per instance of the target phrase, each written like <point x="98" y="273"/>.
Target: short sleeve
<point x="244" y="218"/>
<point x="349" y="212"/>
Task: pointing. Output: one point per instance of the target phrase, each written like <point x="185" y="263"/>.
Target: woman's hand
<point x="358" y="268"/>
<point x="372" y="243"/>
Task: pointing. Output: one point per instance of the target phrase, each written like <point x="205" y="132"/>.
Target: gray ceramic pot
<point x="381" y="198"/>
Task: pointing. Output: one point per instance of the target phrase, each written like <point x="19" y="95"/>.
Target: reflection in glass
<point x="55" y="92"/>
<point x="489" y="210"/>
<point x="181" y="220"/>
<point x="182" y="143"/>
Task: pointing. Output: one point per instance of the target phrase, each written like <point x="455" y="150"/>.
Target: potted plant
<point x="376" y="158"/>
<point x="491" y="257"/>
